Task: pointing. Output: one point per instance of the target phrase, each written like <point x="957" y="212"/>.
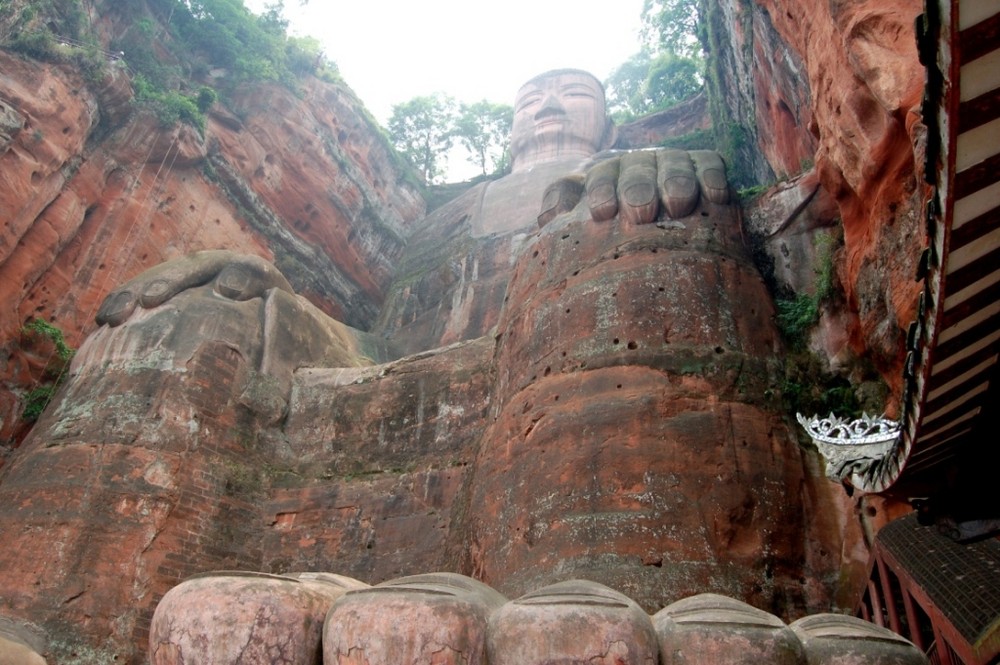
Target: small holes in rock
<point x="575" y="273"/>
<point x="719" y="349"/>
<point x="567" y="310"/>
<point x="548" y="370"/>
<point x="704" y="214"/>
<point x="617" y="255"/>
<point x="619" y="386"/>
<point x="632" y="346"/>
<point x="661" y="289"/>
<point x="556" y="398"/>
<point x="535" y="253"/>
<point x="654" y="250"/>
<point x="565" y="236"/>
<point x="615" y="341"/>
<point x="563" y="354"/>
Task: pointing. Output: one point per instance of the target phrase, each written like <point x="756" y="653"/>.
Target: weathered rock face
<point x="301" y="178"/>
<point x="856" y="118"/>
<point x="449" y="619"/>
<point x="152" y="456"/>
<point x="632" y="444"/>
<point x="618" y="428"/>
<point x="835" y="639"/>
<point x="575" y="621"/>
<point x="430" y="618"/>
<point x="452" y="279"/>
<point x="245" y="617"/>
<point x="686" y="117"/>
<point x="374" y="461"/>
<point x="725" y="631"/>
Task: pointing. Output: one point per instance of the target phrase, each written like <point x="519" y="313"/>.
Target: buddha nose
<point x="550" y="106"/>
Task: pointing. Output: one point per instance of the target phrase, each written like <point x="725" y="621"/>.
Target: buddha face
<point x="556" y="115"/>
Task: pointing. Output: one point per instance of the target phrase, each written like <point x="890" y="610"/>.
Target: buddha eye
<point x="576" y="92"/>
<point x="529" y="102"/>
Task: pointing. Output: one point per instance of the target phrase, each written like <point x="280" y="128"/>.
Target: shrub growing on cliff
<point x="35" y="331"/>
<point x="170" y="106"/>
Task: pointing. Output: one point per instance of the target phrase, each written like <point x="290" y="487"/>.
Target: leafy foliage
<point x="425" y="128"/>
<point x="38" y="398"/>
<point x="797" y="315"/>
<point x="669" y="67"/>
<point x="422" y="130"/>
<point x="645" y="84"/>
<point x="46" y="330"/>
<point x="808" y="388"/>
<point x="171" y="106"/>
<point x="168" y="42"/>
<point x="54" y="31"/>
<point x="483" y="127"/>
<point x="672" y="26"/>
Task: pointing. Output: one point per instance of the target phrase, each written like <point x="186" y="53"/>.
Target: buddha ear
<point x="610" y="135"/>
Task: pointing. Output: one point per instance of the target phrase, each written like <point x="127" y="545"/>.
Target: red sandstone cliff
<point x="834" y="88"/>
<point x="92" y="193"/>
<point x="368" y="469"/>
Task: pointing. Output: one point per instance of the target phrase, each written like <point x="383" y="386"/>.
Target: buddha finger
<point x="249" y="277"/>
<point x="116" y="308"/>
<point x="601" y="187"/>
<point x="560" y="197"/>
<point x="638" y="201"/>
<point x="711" y="172"/>
<point x="678" y="186"/>
<point x="158" y="285"/>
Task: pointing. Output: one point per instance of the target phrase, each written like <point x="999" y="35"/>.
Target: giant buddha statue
<point x="569" y="379"/>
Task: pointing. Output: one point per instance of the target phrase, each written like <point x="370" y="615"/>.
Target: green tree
<point x="671" y="79"/>
<point x="672" y="26"/>
<point x="422" y="129"/>
<point x="483" y="128"/>
<point x="624" y="86"/>
<point x="645" y="84"/>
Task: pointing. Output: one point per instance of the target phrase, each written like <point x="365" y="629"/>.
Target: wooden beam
<point x="977" y="112"/>
<point x="977" y="177"/>
<point x="978" y="40"/>
<point x="975" y="228"/>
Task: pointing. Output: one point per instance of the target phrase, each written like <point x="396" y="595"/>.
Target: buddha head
<point x="557" y="115"/>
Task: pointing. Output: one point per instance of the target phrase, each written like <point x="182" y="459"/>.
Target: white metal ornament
<point x="851" y="446"/>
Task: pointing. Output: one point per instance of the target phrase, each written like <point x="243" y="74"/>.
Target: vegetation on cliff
<point x="181" y="54"/>
<point x="668" y="69"/>
<point x="48" y="340"/>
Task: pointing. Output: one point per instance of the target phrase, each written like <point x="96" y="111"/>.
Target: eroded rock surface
<point x="301" y="178"/>
<point x="241" y="617"/>
<point x="836" y="87"/>
<point x="449" y="619"/>
<point x="633" y="368"/>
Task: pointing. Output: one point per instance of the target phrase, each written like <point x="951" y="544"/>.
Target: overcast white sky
<point x="390" y="51"/>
